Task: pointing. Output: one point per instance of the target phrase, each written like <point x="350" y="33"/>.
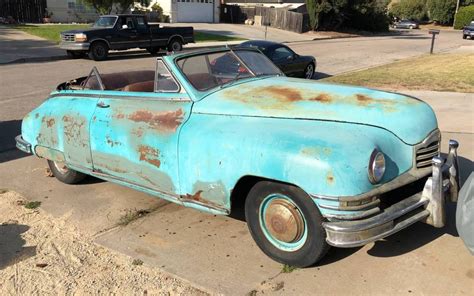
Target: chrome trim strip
<point x="355" y="216"/>
<point x="124" y="97"/>
<point x="366" y="206"/>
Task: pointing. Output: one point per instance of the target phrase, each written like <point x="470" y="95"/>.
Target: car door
<point x="134" y="135"/>
<point x="283" y="57"/>
<point x="126" y="34"/>
<point x="143" y="32"/>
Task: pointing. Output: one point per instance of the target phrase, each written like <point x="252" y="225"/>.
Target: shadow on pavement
<point x="12" y="248"/>
<point x="320" y="75"/>
<point x="8" y="131"/>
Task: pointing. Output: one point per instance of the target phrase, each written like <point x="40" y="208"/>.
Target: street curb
<point x="65" y="57"/>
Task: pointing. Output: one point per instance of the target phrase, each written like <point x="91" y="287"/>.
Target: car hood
<point x="85" y="30"/>
<point x="470" y="28"/>
<point x="408" y="118"/>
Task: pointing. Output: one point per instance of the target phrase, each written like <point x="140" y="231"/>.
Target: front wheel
<point x="464" y="36"/>
<point x="309" y="71"/>
<point x="98" y="51"/>
<point x="286" y="224"/>
<point x="65" y="174"/>
<point x="411" y="27"/>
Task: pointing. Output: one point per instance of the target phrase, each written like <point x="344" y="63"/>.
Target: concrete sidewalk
<point x="16" y="45"/>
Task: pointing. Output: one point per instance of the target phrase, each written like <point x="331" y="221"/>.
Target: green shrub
<point x="442" y="11"/>
<point x="464" y="16"/>
<point x="410" y="9"/>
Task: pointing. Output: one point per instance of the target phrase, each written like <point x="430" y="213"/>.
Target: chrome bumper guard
<point x="427" y="206"/>
<point x="22" y="144"/>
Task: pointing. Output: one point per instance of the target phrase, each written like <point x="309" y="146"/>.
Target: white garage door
<point x="194" y="11"/>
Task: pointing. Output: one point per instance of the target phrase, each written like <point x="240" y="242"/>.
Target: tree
<point x="442" y="11"/>
<point x="105" y="6"/>
<point x="410" y="9"/>
<point x="368" y="15"/>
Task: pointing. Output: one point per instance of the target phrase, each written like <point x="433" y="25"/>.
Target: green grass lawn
<point x="438" y="72"/>
<point x="51" y="32"/>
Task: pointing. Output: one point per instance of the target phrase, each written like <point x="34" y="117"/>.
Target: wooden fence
<point x="23" y="11"/>
<point x="275" y="17"/>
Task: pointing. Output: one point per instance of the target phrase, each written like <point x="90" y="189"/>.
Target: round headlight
<point x="376" y="166"/>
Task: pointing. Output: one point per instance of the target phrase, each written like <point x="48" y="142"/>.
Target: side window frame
<point x="155" y="90"/>
<point x="94" y="72"/>
<point x="285" y="48"/>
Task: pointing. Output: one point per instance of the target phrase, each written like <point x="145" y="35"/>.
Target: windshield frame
<point x="237" y="57"/>
<point x="104" y="16"/>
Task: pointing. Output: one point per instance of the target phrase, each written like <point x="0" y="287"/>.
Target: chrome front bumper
<point x="427" y="206"/>
<point x="81" y="46"/>
<point x="22" y="144"/>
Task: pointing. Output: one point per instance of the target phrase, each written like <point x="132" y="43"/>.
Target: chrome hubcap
<point x="176" y="46"/>
<point x="61" y="167"/>
<point x="284" y="221"/>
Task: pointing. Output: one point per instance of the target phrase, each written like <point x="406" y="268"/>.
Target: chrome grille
<point x="427" y="150"/>
<point x="67" y="37"/>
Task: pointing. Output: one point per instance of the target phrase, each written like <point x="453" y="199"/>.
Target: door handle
<point x="102" y="105"/>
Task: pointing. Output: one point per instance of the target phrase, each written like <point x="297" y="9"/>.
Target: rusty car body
<point x="317" y="164"/>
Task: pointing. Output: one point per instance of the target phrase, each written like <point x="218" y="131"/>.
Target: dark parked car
<point x="121" y="32"/>
<point x="468" y="31"/>
<point x="406" y="24"/>
<point x="289" y="62"/>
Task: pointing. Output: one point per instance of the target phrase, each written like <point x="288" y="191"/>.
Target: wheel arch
<point x="175" y="36"/>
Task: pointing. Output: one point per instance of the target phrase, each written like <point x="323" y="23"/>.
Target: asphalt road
<point x="218" y="252"/>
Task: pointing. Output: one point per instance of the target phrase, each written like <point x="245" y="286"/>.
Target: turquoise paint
<point x="317" y="136"/>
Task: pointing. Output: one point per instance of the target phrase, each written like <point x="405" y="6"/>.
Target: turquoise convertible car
<point x="316" y="164"/>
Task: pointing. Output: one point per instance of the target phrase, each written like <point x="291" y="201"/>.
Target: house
<point x="179" y="11"/>
<point x="68" y="11"/>
<point x="190" y="11"/>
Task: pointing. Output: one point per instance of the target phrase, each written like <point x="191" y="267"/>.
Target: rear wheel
<point x="98" y="51"/>
<point x="175" y="45"/>
<point x="65" y="174"/>
<point x="286" y="224"/>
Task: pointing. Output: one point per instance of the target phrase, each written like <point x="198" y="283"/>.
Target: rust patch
<point x="284" y="93"/>
<point x="50" y="122"/>
<point x="73" y="130"/>
<point x="164" y="121"/>
<point x="322" y="98"/>
<point x="138" y="132"/>
<point x="364" y="100"/>
<point x="329" y="178"/>
<point x="196" y="196"/>
<point x="149" y="155"/>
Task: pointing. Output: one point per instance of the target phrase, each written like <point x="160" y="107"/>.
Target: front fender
<point x="322" y="157"/>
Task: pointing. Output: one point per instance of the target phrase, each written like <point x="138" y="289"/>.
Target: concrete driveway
<point x="218" y="252"/>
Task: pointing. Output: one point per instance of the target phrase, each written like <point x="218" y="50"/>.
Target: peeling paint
<point x="149" y="155"/>
<point x="111" y="142"/>
<point x="163" y="121"/>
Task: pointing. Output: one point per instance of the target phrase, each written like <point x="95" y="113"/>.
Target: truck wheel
<point x="65" y="174"/>
<point x="98" y="51"/>
<point x="175" y="45"/>
<point x="153" y="50"/>
<point x="74" y="54"/>
<point x="286" y="224"/>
